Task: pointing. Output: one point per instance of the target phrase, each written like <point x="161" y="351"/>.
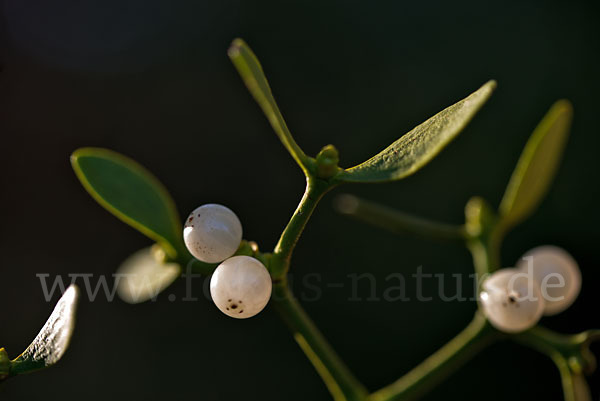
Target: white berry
<point x="212" y="233"/>
<point x="241" y="287"/>
<point x="511" y="300"/>
<point x="557" y="273"/>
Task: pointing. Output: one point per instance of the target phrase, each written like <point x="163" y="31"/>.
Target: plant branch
<point x="570" y="353"/>
<point x="395" y="221"/>
<point x="337" y="377"/>
<point x="483" y="260"/>
<point x="575" y="388"/>
<point x="280" y="262"/>
<point x="574" y="348"/>
<point x="434" y="369"/>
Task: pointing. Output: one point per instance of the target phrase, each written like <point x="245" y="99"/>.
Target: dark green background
<point x="151" y="79"/>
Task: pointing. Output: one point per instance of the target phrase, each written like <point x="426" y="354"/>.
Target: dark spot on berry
<point x="227" y="308"/>
<point x="229" y="300"/>
<point x="241" y="311"/>
<point x="191" y="219"/>
<point x="512" y="299"/>
<point x="233" y="306"/>
<point x="240" y="301"/>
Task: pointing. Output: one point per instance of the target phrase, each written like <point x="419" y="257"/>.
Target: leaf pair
<point x="527" y="187"/>
<point x="402" y="158"/>
<point x="134" y="195"/>
<point x="50" y="344"/>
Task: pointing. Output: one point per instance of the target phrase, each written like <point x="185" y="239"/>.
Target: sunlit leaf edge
<point x="172" y="246"/>
<point x="244" y="59"/>
<point x="560" y="109"/>
<point x="357" y="173"/>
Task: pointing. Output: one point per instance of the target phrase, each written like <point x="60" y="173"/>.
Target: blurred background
<point x="151" y="79"/>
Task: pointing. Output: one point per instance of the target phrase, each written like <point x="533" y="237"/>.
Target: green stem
<point x="483" y="236"/>
<point x="573" y="348"/>
<point x="395" y="221"/>
<point x="337" y="377"/>
<point x="439" y="365"/>
<point x="570" y="354"/>
<point x="575" y="387"/>
<point x="482" y="260"/>
<point x="545" y="341"/>
<point x="280" y="262"/>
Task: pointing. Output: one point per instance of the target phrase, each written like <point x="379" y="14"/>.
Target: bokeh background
<point x="151" y="79"/>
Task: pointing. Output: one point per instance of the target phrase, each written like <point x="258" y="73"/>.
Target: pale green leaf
<point x="419" y="146"/>
<point x="537" y="165"/>
<point x="142" y="277"/>
<point x="252" y="73"/>
<point x="53" y="340"/>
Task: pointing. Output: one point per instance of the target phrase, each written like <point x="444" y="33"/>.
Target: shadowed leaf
<point x="537" y="165"/>
<point x="141" y="277"/>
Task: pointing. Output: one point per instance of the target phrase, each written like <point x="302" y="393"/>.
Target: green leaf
<point x="53" y="340"/>
<point x="253" y="76"/>
<point x="131" y="193"/>
<point x="537" y="165"/>
<point x="142" y="277"/>
<point x="415" y="149"/>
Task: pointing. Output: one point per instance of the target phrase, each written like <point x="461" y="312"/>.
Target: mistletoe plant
<point x="504" y="312"/>
<point x="244" y="279"/>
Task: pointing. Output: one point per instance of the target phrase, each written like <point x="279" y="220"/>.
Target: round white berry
<point x="212" y="233"/>
<point x="241" y="287"/>
<point x="557" y="273"/>
<point x="511" y="300"/>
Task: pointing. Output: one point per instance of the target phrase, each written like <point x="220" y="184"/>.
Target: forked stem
<point x="438" y="366"/>
<point x="337" y="377"/>
<point x="280" y="262"/>
<point x="341" y="383"/>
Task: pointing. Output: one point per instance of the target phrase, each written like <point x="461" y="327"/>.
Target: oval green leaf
<point x="252" y="74"/>
<point x="537" y="165"/>
<point x="53" y="340"/>
<point x="419" y="146"/>
<point x="131" y="193"/>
